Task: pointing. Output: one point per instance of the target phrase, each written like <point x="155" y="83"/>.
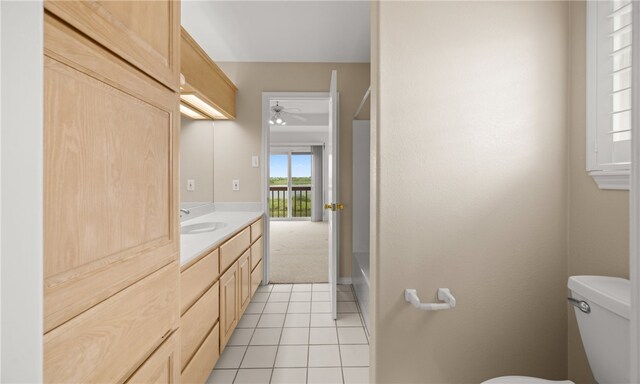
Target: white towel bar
<point x="444" y="294"/>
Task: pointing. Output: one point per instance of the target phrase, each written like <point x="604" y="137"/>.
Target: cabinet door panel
<point x="229" y="300"/>
<point x="144" y="33"/>
<point x="105" y="343"/>
<point x="161" y="367"/>
<point x="244" y="288"/>
<point x="111" y="137"/>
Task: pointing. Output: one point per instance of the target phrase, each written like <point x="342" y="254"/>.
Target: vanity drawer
<point x="256" y="230"/>
<point x="197" y="278"/>
<point x="162" y="366"/>
<point x="196" y="323"/>
<point x="200" y="367"/>
<point x="105" y="343"/>
<point x="256" y="278"/>
<point x="233" y="248"/>
<point x="256" y="252"/>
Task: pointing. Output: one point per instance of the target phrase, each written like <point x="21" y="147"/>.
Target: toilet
<point x="602" y="307"/>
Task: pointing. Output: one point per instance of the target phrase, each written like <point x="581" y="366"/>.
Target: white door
<point x="332" y="203"/>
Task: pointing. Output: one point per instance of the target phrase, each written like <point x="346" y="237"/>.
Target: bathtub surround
<point x="471" y="111"/>
<point x="598" y="219"/>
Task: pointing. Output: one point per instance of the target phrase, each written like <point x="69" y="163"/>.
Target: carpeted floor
<point x="299" y="251"/>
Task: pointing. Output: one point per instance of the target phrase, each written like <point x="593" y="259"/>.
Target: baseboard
<point x="344" y="280"/>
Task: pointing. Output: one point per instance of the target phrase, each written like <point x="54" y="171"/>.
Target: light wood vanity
<point x="216" y="288"/>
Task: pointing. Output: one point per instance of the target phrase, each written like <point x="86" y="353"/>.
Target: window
<point x="609" y="92"/>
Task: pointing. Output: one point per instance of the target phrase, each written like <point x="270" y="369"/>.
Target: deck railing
<point x="300" y="201"/>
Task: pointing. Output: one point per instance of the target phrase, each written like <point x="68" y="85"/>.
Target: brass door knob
<point x="334" y="207"/>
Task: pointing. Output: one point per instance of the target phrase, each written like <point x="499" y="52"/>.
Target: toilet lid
<point x="523" y="380"/>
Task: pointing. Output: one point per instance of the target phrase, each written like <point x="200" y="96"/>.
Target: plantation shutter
<point x="611" y="98"/>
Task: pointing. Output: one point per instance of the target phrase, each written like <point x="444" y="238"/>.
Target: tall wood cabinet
<point x="111" y="273"/>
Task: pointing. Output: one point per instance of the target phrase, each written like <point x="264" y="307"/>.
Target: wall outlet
<point x="236" y="185"/>
<point x="255" y="163"/>
<point x="191" y="185"/>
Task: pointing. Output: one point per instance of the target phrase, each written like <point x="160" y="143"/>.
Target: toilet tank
<point x="605" y="330"/>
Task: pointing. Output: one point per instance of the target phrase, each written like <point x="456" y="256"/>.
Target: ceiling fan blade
<point x="297" y="117"/>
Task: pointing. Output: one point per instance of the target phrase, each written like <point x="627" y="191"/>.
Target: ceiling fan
<point x="279" y="113"/>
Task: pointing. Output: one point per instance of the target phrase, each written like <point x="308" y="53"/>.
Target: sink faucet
<point x="185" y="211"/>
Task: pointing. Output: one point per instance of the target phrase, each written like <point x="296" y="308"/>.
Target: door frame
<point x="266" y="144"/>
<point x="634" y="208"/>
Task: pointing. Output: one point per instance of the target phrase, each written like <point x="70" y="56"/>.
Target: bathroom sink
<point x="194" y="229"/>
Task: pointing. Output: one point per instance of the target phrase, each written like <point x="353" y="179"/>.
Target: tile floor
<point x="287" y="335"/>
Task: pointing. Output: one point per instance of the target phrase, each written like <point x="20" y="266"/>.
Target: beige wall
<point x="471" y="184"/>
<point x="598" y="220"/>
<point x="196" y="160"/>
<point x="236" y="141"/>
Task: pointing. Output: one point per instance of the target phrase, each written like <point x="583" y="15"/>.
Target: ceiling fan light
<point x="271" y="121"/>
<point x="284" y="123"/>
<point x="278" y="121"/>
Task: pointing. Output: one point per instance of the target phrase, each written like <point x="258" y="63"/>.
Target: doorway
<point x="298" y="232"/>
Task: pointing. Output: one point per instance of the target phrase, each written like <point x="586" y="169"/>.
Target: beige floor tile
<point x="282" y="297"/>
<point x="240" y="336"/>
<point x="297" y="320"/>
<point x="322" y="320"/>
<point x="231" y="357"/>
<point x="266" y="336"/>
<point x="347" y="307"/>
<point x="299" y="307"/>
<point x="253" y="376"/>
<point x="324" y="356"/>
<point x="222" y="376"/>
<point x="320" y="307"/>
<point x="352" y="335"/>
<point x="301" y="296"/>
<point x="355" y="375"/>
<point x="349" y="320"/>
<point x="302" y="288"/>
<point x="291" y="356"/>
<point x="282" y="288"/>
<point x="271" y="320"/>
<point x="289" y="376"/>
<point x="294" y="336"/>
<point x="260" y="297"/>
<point x="323" y="336"/>
<point x="275" y="307"/>
<point x="255" y="308"/>
<point x="320" y="296"/>
<point x="354" y="355"/>
<point x="325" y="376"/>
<point x="259" y="357"/>
<point x="248" y="321"/>
<point x="265" y="288"/>
<point x="320" y="287"/>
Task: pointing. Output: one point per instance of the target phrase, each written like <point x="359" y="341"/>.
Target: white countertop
<point x="193" y="245"/>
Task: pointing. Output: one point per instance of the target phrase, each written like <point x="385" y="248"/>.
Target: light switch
<point x="236" y="185"/>
<point x="255" y="163"/>
<point x="191" y="185"/>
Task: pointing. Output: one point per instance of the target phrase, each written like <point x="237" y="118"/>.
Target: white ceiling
<point x="300" y="106"/>
<point x="280" y="31"/>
